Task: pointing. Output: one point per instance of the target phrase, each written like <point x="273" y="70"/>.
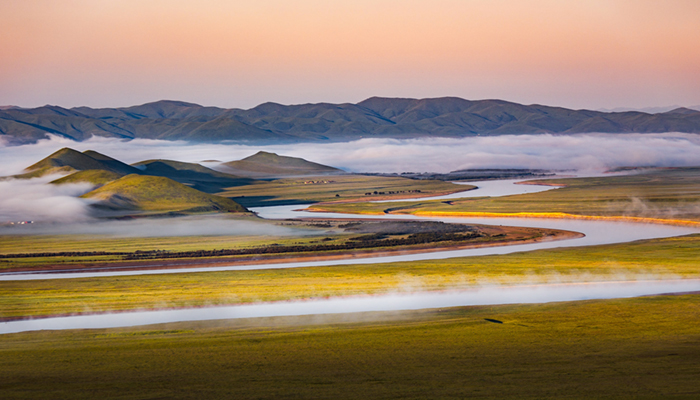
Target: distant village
<point x="17" y="223"/>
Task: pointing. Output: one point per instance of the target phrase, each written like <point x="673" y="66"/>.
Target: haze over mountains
<point x="147" y="186"/>
<point x="323" y="122"/>
<point x="163" y="186"/>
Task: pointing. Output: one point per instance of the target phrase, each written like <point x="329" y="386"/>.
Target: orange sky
<point x="582" y="54"/>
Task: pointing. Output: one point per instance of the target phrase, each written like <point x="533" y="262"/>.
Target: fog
<point x="57" y="209"/>
<point x="23" y="200"/>
<point x="584" y="152"/>
<point x="36" y="200"/>
<point x="155" y="227"/>
<point x="488" y="295"/>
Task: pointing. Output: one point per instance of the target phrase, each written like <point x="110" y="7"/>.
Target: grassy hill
<point x="193" y="175"/>
<point x="68" y="160"/>
<point x="158" y="194"/>
<point x="96" y="168"/>
<point x="97" y="177"/>
<point x="263" y="164"/>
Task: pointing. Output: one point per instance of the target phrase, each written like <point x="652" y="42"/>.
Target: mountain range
<point x="375" y="117"/>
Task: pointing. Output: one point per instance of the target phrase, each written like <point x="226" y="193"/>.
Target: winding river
<point x="596" y="233"/>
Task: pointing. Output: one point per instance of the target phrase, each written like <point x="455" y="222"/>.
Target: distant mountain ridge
<point x="375" y="117"/>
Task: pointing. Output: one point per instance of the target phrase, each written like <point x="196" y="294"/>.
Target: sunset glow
<point x="238" y="54"/>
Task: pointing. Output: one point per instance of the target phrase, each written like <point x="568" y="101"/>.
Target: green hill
<point x="67" y="160"/>
<point x="97" y="177"/>
<point x="158" y="194"/>
<point x="270" y="164"/>
<point x="193" y="175"/>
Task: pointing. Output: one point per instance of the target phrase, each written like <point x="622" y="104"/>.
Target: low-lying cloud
<point x="25" y="200"/>
<point x="495" y="295"/>
<point x="204" y="225"/>
<point x="36" y="200"/>
<point x="585" y="152"/>
<point x="58" y="209"/>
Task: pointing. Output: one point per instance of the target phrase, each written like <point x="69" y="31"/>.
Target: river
<point x="596" y="233"/>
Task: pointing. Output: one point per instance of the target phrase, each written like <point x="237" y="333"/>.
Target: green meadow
<point x="641" y="348"/>
<point x="651" y="259"/>
<point x="10" y="244"/>
<point x="659" y="193"/>
<point x="312" y="189"/>
<point x="644" y="348"/>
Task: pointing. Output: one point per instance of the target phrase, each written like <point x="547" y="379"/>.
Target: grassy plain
<point x="312" y="238"/>
<point x="347" y="187"/>
<point x="660" y="258"/>
<point x="672" y="194"/>
<point x="10" y="244"/>
<point x="633" y="348"/>
<point x="642" y="348"/>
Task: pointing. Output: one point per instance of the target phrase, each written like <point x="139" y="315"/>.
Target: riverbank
<point x="495" y="236"/>
<point x="642" y="347"/>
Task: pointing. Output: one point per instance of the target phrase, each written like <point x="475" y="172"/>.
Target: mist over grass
<point x="202" y="225"/>
<point x="22" y="200"/>
<point x="36" y="200"/>
<point x="584" y="152"/>
<point x="57" y="210"/>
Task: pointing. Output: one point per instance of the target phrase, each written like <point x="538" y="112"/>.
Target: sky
<point x="579" y="54"/>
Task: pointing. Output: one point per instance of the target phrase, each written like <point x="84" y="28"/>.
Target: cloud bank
<point x="584" y="152"/>
<point x="22" y="200"/>
<point x="215" y="225"/>
<point x="36" y="200"/>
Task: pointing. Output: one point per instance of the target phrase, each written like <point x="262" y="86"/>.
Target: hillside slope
<point x="263" y="164"/>
<point x="69" y="160"/>
<point x="154" y="193"/>
<point x="322" y="122"/>
<point x="194" y="175"/>
<point x="96" y="177"/>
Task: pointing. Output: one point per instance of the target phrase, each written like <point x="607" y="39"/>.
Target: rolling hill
<point x="97" y="177"/>
<point x="69" y="160"/>
<point x="375" y="117"/>
<point x="157" y="194"/>
<point x="264" y="164"/>
<point x="193" y="175"/>
<point x="98" y="169"/>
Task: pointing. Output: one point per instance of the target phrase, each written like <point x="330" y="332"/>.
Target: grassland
<point x="93" y="176"/>
<point x="10" y="244"/>
<point x="312" y="189"/>
<point x="634" y="348"/>
<point x="670" y="194"/>
<point x="644" y="348"/>
<point x="159" y="194"/>
<point x="314" y="239"/>
<point x="672" y="257"/>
